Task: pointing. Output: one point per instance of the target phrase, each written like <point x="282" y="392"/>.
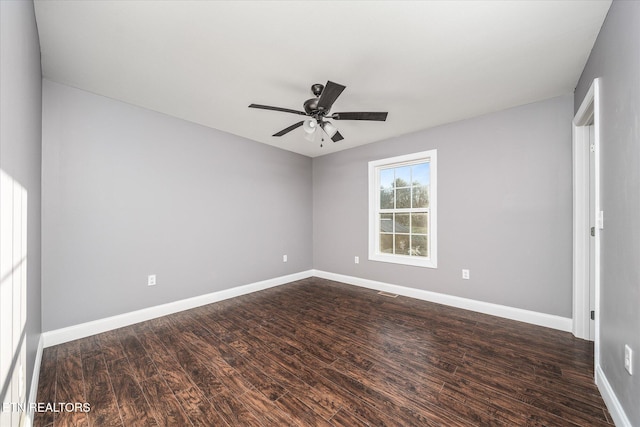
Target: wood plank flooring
<point x="321" y="353"/>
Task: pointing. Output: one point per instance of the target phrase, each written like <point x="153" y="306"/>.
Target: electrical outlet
<point x="628" y="359"/>
<point x="465" y="274"/>
<point x="356" y="260"/>
<point x="284" y="258"/>
<point x="151" y="280"/>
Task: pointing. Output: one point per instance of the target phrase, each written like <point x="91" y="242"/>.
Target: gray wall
<point x="615" y="58"/>
<point x="20" y="139"/>
<point x="129" y="192"/>
<point x="504" y="208"/>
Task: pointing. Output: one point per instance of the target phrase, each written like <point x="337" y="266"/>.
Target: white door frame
<point x="587" y="116"/>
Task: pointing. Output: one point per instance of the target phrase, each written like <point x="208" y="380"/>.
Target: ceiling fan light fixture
<point x="310" y="125"/>
<point x="311" y="137"/>
<point x="329" y="128"/>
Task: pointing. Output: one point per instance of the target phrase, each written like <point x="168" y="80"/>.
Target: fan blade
<point x="337" y="137"/>
<point x="360" y="116"/>
<point x="329" y="94"/>
<point x="285" y="110"/>
<point x="289" y="129"/>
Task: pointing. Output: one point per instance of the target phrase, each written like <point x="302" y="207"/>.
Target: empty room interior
<point x="319" y="213"/>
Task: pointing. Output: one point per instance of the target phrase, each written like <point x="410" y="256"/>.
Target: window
<point x="402" y="209"/>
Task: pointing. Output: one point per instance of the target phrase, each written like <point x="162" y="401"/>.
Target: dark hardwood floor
<point x="321" y="353"/>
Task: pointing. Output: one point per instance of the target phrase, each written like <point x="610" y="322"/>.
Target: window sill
<point x="404" y="260"/>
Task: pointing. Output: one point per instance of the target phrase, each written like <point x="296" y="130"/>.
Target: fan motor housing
<point x="311" y="106"/>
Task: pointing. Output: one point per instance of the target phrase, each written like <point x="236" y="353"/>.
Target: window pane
<point x="386" y="178"/>
<point x="419" y="223"/>
<point x="402" y="223"/>
<point x="386" y="223"/>
<point x="386" y="243"/>
<point x="420" y="174"/>
<point x="402" y="244"/>
<point x="420" y="196"/>
<point x="386" y="198"/>
<point x="403" y="176"/>
<point x="419" y="246"/>
<point x="403" y="198"/>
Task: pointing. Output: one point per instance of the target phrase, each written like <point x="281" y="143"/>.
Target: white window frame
<point x="374" y="209"/>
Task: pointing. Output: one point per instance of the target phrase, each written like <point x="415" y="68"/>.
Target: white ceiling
<point x="425" y="62"/>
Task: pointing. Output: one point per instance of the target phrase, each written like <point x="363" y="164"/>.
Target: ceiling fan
<point x="317" y="109"/>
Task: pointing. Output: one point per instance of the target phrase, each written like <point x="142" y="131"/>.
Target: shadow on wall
<point x="13" y="298"/>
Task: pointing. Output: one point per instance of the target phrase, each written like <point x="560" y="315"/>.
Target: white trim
<point x="597" y="142"/>
<point x="59" y="336"/>
<point x="35" y="377"/>
<point x="94" y="327"/>
<point x="580" y="238"/>
<point x="532" y="317"/>
<point x="588" y="112"/>
<point x="611" y="400"/>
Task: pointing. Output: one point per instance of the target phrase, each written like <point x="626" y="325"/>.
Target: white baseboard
<point x="541" y="319"/>
<point x="83" y="330"/>
<point x="611" y="400"/>
<point x="35" y="377"/>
